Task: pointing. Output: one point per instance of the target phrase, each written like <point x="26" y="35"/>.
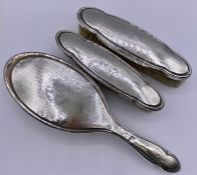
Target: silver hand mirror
<point x="65" y="98"/>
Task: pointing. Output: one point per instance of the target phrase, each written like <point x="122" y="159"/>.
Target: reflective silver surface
<point x="109" y="69"/>
<point x="134" y="43"/>
<point x="65" y="98"/>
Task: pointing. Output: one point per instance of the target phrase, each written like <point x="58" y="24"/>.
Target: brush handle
<point x="152" y="152"/>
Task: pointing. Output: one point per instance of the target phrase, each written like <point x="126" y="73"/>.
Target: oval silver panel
<point x="109" y="69"/>
<point x="134" y="43"/>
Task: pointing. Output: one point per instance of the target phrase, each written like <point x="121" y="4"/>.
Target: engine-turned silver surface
<point x="65" y="98"/>
<point x="57" y="93"/>
<point x="134" y="43"/>
<point x="109" y="69"/>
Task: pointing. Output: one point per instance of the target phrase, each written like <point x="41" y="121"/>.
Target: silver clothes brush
<point x="109" y="70"/>
<point x="133" y="43"/>
<point x="66" y="98"/>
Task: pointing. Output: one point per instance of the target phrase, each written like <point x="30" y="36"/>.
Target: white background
<point x="27" y="147"/>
